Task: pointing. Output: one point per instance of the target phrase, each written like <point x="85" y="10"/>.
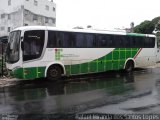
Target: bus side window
<point x="95" y="42"/>
<point x="89" y="40"/>
<point x="59" y="39"/>
<point x="115" y="41"/>
<point x="141" y="42"/>
<point x="102" y="42"/>
<point x="33" y="44"/>
<point x="149" y="42"/>
<point x="52" y="39"/>
<point x="110" y="39"/>
<point x="64" y="39"/>
<point x="121" y="41"/>
<point x="132" y="41"/>
<point x="72" y="40"/>
<point x="127" y="42"/>
<point x="80" y="40"/>
<point x="152" y="42"/>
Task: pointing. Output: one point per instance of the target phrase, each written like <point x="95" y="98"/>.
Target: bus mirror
<point x="22" y="45"/>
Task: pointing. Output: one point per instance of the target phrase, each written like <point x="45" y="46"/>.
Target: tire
<point x="129" y="66"/>
<point x="54" y="73"/>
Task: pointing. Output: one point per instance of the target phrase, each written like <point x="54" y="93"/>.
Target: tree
<point x="156" y="22"/>
<point x="158" y="39"/>
<point x="146" y="27"/>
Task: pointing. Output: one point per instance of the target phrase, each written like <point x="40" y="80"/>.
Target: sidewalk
<point x="157" y="65"/>
<point x="6" y="81"/>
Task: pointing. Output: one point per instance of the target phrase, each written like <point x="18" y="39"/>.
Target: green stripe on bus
<point x="29" y="73"/>
<point x="113" y="61"/>
<point x="18" y="73"/>
<point x="136" y="34"/>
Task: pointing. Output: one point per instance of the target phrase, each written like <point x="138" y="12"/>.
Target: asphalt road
<point x="114" y="92"/>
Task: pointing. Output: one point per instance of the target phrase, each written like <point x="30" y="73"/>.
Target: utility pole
<point x="2" y="58"/>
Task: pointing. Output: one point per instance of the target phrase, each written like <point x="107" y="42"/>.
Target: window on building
<point x="9" y="29"/>
<point x="54" y="9"/>
<point x="9" y="2"/>
<point x="53" y="20"/>
<point x="2" y="28"/>
<point x="25" y="24"/>
<point x="35" y="2"/>
<point x="35" y="17"/>
<point x="26" y="12"/>
<point x="46" y="20"/>
<point x="2" y="15"/>
<point x="47" y="7"/>
<point x="9" y="16"/>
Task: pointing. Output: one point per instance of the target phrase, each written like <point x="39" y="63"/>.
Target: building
<point x="16" y="13"/>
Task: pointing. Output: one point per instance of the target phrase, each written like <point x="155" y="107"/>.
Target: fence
<point x="3" y="42"/>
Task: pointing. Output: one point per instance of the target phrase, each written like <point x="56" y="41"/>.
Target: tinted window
<point x="102" y="41"/>
<point x="136" y="41"/>
<point x="110" y="41"/>
<point x="127" y="41"/>
<point x="90" y="41"/>
<point x="79" y="40"/>
<point x="64" y="38"/>
<point x="150" y="42"/>
<point x="122" y="41"/>
<point x="106" y="41"/>
<point x="52" y="39"/>
<point x="33" y="44"/>
<point x="60" y="39"/>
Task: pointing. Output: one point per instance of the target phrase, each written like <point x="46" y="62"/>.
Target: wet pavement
<point x="114" y="92"/>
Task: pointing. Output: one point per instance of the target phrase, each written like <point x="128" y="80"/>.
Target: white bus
<point x="40" y="51"/>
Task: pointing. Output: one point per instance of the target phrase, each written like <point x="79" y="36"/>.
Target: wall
<point x="40" y="8"/>
<point x="15" y="11"/>
<point x="18" y="17"/>
<point x="15" y="5"/>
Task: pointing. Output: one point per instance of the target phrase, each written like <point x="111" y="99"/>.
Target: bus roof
<point x="25" y="28"/>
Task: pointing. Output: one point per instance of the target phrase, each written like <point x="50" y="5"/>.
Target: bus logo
<point x="58" y="54"/>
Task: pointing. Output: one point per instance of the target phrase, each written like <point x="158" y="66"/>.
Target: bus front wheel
<point x="129" y="66"/>
<point x="54" y="73"/>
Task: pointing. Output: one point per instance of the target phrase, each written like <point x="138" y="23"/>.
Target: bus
<point x="50" y="52"/>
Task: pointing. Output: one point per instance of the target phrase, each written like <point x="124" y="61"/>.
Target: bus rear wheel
<point x="129" y="66"/>
<point x="54" y="73"/>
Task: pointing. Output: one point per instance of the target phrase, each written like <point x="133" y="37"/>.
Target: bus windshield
<point x="12" y="51"/>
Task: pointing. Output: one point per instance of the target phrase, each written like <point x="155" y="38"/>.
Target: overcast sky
<point x="105" y="14"/>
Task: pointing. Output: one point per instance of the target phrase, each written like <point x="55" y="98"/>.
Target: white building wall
<point x="40" y="9"/>
<point x="41" y="12"/>
<point x="15" y="14"/>
<point x="12" y="15"/>
<point x="12" y="23"/>
<point x="15" y="4"/>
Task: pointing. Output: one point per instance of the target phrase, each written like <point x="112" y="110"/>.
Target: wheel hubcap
<point x="53" y="73"/>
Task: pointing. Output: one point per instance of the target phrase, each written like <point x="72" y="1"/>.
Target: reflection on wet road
<point x="111" y="92"/>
